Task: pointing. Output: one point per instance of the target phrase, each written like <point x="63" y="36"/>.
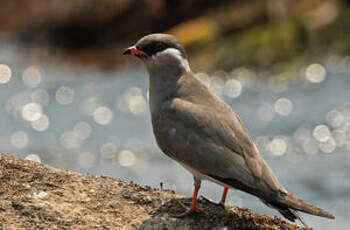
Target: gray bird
<point x="202" y="133"/>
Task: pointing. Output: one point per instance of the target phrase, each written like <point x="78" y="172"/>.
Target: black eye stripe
<point x="155" y="43"/>
<point x="159" y="46"/>
<point x="154" y="47"/>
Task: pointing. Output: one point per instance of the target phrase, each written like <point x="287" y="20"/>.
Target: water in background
<point x="98" y="122"/>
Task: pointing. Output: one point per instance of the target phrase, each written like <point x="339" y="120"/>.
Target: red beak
<point x="134" y="51"/>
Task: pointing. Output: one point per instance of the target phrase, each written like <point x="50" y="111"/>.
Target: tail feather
<point x="291" y="215"/>
<point x="288" y="205"/>
<point x="287" y="213"/>
<point x="296" y="203"/>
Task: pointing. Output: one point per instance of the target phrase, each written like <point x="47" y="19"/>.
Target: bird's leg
<point x="193" y="208"/>
<point x="222" y="201"/>
<point x="223" y="197"/>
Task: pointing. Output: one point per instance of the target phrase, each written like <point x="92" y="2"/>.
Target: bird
<point x="203" y="134"/>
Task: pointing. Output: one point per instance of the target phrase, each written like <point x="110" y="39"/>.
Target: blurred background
<point x="70" y="99"/>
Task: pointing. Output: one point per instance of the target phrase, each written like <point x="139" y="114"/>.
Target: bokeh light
<point x="42" y="124"/>
<point x="108" y="150"/>
<point x="335" y="118"/>
<point x="315" y="73"/>
<point x="262" y="144"/>
<point x="5" y="74"/>
<point x="103" y="115"/>
<point x="321" y="133"/>
<point x="283" y="106"/>
<point x="32" y="76"/>
<point x="278" y="146"/>
<point x="216" y="85"/>
<point x="70" y="140"/>
<point x="244" y="75"/>
<point x="126" y="158"/>
<point x="339" y="137"/>
<point x="32" y="111"/>
<point x="33" y="157"/>
<point x="133" y="101"/>
<point x="82" y="129"/>
<point x="233" y="88"/>
<point x="64" y="95"/>
<point x="19" y="139"/>
<point x="328" y="145"/>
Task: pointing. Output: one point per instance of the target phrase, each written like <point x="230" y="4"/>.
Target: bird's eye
<point x="159" y="46"/>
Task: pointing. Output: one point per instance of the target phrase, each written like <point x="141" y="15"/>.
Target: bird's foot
<point x="188" y="210"/>
<point x="221" y="204"/>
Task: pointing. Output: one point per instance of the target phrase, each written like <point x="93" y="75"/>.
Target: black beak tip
<point x="127" y="51"/>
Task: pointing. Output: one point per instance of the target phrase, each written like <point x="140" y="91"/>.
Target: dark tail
<point x="288" y="204"/>
<point x="291" y="215"/>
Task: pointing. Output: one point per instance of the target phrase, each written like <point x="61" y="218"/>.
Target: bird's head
<point x="160" y="52"/>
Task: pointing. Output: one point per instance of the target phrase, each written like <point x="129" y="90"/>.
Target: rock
<point x="77" y="201"/>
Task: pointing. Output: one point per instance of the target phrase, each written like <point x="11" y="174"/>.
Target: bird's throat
<point x="162" y="87"/>
<point x="165" y="69"/>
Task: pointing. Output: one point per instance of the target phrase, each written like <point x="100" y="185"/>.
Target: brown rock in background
<point x="218" y="34"/>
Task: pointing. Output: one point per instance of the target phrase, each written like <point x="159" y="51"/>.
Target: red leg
<point x="193" y="207"/>
<point x="197" y="186"/>
<point x="223" y="198"/>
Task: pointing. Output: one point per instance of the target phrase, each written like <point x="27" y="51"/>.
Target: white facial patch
<point x="171" y="53"/>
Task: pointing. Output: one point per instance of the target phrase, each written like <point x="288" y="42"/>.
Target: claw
<point x="193" y="208"/>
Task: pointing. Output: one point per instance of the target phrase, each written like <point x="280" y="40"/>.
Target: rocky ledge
<point x="37" y="196"/>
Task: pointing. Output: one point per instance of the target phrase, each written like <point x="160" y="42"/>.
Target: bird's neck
<point x="163" y="83"/>
<point x="165" y="69"/>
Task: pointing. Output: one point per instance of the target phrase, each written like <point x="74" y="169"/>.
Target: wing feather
<point x="216" y="143"/>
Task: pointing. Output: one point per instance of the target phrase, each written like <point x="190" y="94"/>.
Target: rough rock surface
<point x="37" y="196"/>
